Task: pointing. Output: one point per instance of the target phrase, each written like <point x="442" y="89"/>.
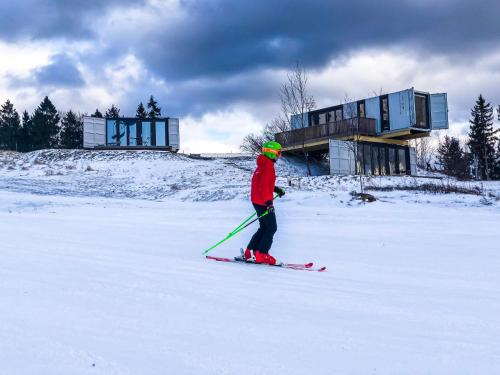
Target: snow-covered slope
<point x="96" y="281"/>
<point x="157" y="175"/>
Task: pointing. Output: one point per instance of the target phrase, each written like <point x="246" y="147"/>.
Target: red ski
<point x="293" y="266"/>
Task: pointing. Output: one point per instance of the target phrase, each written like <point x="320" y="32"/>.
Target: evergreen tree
<point x="45" y="126"/>
<point x="10" y="127"/>
<point x="497" y="162"/>
<point x="97" y="113"/>
<point x="154" y="110"/>
<point x="113" y="111"/>
<point x="71" y="131"/>
<point x="482" y="137"/>
<point x="141" y="111"/>
<point x="496" y="174"/>
<point x="453" y="159"/>
<point x="25" y="137"/>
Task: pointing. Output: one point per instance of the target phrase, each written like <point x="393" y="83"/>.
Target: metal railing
<point x="336" y="129"/>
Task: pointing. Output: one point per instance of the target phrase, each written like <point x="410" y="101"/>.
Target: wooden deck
<point x="317" y="137"/>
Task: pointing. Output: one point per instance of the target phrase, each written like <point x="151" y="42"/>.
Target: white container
<point x="94" y="132"/>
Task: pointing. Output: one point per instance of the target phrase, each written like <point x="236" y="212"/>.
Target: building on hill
<point x="369" y="136"/>
<point x="131" y="133"/>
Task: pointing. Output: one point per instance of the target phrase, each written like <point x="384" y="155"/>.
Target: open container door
<point x="173" y="134"/>
<point x="439" y="111"/>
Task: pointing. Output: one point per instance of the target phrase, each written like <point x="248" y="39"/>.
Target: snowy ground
<point x="94" y="280"/>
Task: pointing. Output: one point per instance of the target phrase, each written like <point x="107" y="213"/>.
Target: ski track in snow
<point x="94" y="280"/>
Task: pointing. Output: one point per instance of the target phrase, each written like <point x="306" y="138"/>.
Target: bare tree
<point x="425" y="151"/>
<point x="253" y="142"/>
<point x="296" y="101"/>
<point x="277" y="125"/>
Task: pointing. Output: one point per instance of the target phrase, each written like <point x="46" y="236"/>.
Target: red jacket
<point x="263" y="180"/>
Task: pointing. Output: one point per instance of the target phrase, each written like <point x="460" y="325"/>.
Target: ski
<point x="293" y="266"/>
<point x="286" y="265"/>
<point x="241" y="258"/>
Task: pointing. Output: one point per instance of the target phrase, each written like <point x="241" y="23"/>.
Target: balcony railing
<point x="338" y="129"/>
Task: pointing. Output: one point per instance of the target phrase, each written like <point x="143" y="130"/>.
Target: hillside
<point x="101" y="271"/>
<point x="158" y="175"/>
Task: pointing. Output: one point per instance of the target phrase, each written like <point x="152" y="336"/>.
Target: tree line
<point x="479" y="156"/>
<point x="47" y="127"/>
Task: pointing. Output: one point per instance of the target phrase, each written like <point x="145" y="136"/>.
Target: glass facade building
<point x="134" y="132"/>
<point x="382" y="159"/>
<point x="371" y="158"/>
<point x="131" y="133"/>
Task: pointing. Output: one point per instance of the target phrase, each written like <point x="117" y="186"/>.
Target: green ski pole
<point x="234" y="232"/>
<point x="238" y="229"/>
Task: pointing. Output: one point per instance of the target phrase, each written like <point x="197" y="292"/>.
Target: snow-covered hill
<point x="158" y="175"/>
<point x="101" y="271"/>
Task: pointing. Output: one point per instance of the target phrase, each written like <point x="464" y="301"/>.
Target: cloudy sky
<point x="218" y="64"/>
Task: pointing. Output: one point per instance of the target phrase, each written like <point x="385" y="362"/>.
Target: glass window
<point x="385" y="109"/>
<point x="367" y="156"/>
<point x="384" y="112"/>
<point x="146" y="133"/>
<point x="315" y="119"/>
<point x="402" y="160"/>
<point x="375" y="161"/>
<point x="122" y="128"/>
<point x="322" y="118"/>
<point x="359" y="159"/>
<point x="381" y="154"/>
<point x="132" y="131"/>
<point x="392" y="161"/>
<point x="331" y="116"/>
<point x="338" y="115"/>
<point x="160" y="133"/>
<point x="111" y="132"/>
<point x="361" y="110"/>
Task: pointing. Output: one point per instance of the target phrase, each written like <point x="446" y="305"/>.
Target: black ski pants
<point x="263" y="238"/>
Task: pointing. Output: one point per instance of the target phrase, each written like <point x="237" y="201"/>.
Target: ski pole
<point x="244" y="222"/>
<point x="239" y="228"/>
<point x="234" y="232"/>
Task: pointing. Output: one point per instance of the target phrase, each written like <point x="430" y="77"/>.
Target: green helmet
<point x="271" y="149"/>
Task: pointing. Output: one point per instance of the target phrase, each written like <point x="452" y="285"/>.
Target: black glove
<point x="269" y="206"/>
<point x="279" y="191"/>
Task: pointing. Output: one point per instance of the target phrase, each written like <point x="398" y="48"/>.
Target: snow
<point x="101" y="272"/>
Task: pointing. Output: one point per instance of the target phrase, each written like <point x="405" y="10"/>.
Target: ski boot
<point x="249" y="255"/>
<point x="264" y="258"/>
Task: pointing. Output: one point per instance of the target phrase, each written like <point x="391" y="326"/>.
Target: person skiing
<point x="263" y="186"/>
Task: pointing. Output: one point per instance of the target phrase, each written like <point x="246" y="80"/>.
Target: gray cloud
<point x="220" y="39"/>
<point x="213" y="54"/>
<point x="224" y="37"/>
<point x="46" y="19"/>
<point x="60" y="72"/>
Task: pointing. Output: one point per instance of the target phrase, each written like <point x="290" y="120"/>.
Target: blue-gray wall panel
<point x="399" y="110"/>
<point x="372" y="107"/>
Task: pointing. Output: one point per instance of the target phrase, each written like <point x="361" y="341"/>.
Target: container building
<point x="160" y="133"/>
<point x="369" y="136"/>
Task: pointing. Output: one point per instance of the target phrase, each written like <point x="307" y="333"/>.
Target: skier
<point x="263" y="181"/>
